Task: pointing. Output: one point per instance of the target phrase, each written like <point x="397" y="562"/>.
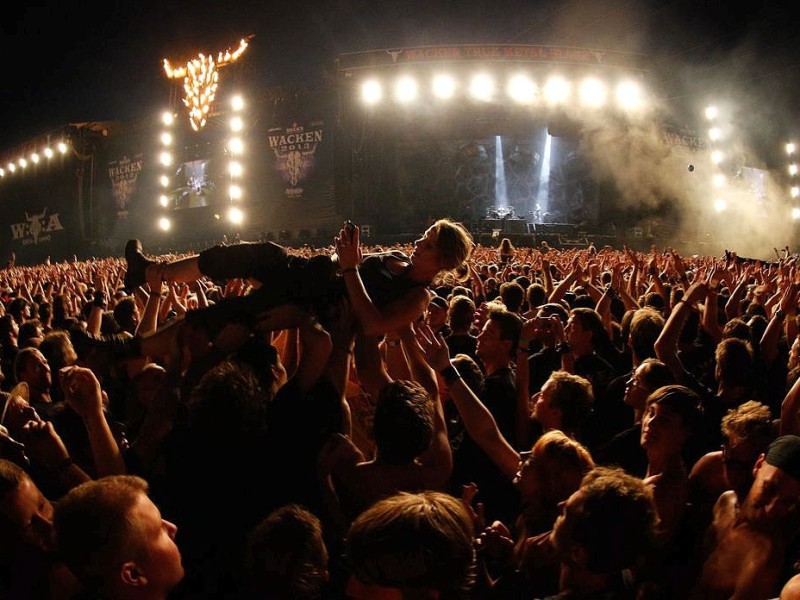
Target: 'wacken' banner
<point x="124" y="174"/>
<point x="295" y="151"/>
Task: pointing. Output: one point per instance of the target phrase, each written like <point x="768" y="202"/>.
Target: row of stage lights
<point x="627" y="95"/>
<point x="234" y="150"/>
<point x="794" y="188"/>
<point x="34" y="158"/>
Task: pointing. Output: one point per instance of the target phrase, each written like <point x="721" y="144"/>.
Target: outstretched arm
<point x="478" y="420"/>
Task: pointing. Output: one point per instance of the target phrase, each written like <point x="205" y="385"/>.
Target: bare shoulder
<point x="791" y="589"/>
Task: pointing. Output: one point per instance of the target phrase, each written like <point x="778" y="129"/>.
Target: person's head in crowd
<point x="747" y="431"/>
<point x="287" y="558"/>
<point x="461" y="313"/>
<point x="30" y="333"/>
<point x="20" y="309"/>
<point x="736" y="328"/>
<point x="585" y="331"/>
<point x="403" y="424"/>
<point x="654" y="300"/>
<point x="671" y="419"/>
<point x="490" y="285"/>
<point x="26" y="515"/>
<point x="126" y="314"/>
<point x="227" y="408"/>
<point x="536" y="295"/>
<point x="57" y="348"/>
<point x="61" y="309"/>
<point x="113" y="538"/>
<point x="564" y="402"/>
<point x="524" y="282"/>
<point x="460" y="290"/>
<point x="31" y="366"/>
<point x="512" y="295"/>
<point x="755" y="308"/>
<point x="608" y="525"/>
<point x="646" y="325"/>
<point x="470" y="372"/>
<point x="453" y="243"/>
<point x="775" y="493"/>
<point x="9" y="330"/>
<point x="412" y="546"/>
<point x="109" y="324"/>
<point x="583" y="300"/>
<point x="646" y="378"/>
<point x="734" y="363"/>
<point x="550" y="473"/>
<point x="436" y="313"/>
<point x="758" y="325"/>
<point x="497" y="341"/>
<point x="760" y="294"/>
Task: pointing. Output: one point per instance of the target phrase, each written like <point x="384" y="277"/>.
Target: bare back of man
<point x="743" y="561"/>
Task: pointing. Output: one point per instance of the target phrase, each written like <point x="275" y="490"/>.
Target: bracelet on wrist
<point x="450" y="374"/>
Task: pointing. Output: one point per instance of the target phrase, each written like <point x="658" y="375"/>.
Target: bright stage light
<point x="444" y="86"/>
<point x="482" y="87"/>
<point x="790" y="148"/>
<point x="795" y="191"/>
<point x="163" y="200"/>
<point x="48" y="152"/>
<point x="235" y="192"/>
<point x="235" y="215"/>
<point x="12" y="167"/>
<point x="593" y="92"/>
<point x="236" y="123"/>
<point x="720" y="205"/>
<point x="167" y="118"/>
<point x="717" y="156"/>
<point x="713" y="134"/>
<point x="35" y="158"/>
<point x="629" y="95"/>
<point x="796" y="213"/>
<point x="371" y="92"/>
<point x="237" y="102"/>
<point x="23" y="163"/>
<point x="792" y="169"/>
<point x="236" y="146"/>
<point x="405" y="89"/>
<point x="718" y="180"/>
<point x="235" y="168"/>
<point x="521" y="89"/>
<point x="711" y="112"/>
<point x="62" y="147"/>
<point x="2" y="172"/>
<point x="164" y="181"/>
<point x="166" y="138"/>
<point x="556" y="90"/>
<point x="164" y="224"/>
<point x="165" y="158"/>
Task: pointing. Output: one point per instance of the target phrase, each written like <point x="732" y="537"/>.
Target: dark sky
<point x="67" y="62"/>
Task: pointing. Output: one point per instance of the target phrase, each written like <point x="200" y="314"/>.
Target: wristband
<point x="349" y="270"/>
<point x="450" y="374"/>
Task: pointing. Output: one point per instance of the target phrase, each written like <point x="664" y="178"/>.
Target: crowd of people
<point x="442" y="420"/>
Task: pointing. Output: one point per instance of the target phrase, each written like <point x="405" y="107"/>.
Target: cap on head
<point x="784" y="454"/>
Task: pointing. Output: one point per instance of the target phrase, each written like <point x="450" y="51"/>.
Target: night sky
<point x="67" y="62"/>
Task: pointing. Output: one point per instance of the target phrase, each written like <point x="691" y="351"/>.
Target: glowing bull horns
<point x="201" y="80"/>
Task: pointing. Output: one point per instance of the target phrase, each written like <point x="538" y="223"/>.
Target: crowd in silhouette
<point x="433" y="420"/>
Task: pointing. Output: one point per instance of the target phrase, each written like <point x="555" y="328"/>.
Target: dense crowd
<point x="436" y="420"/>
